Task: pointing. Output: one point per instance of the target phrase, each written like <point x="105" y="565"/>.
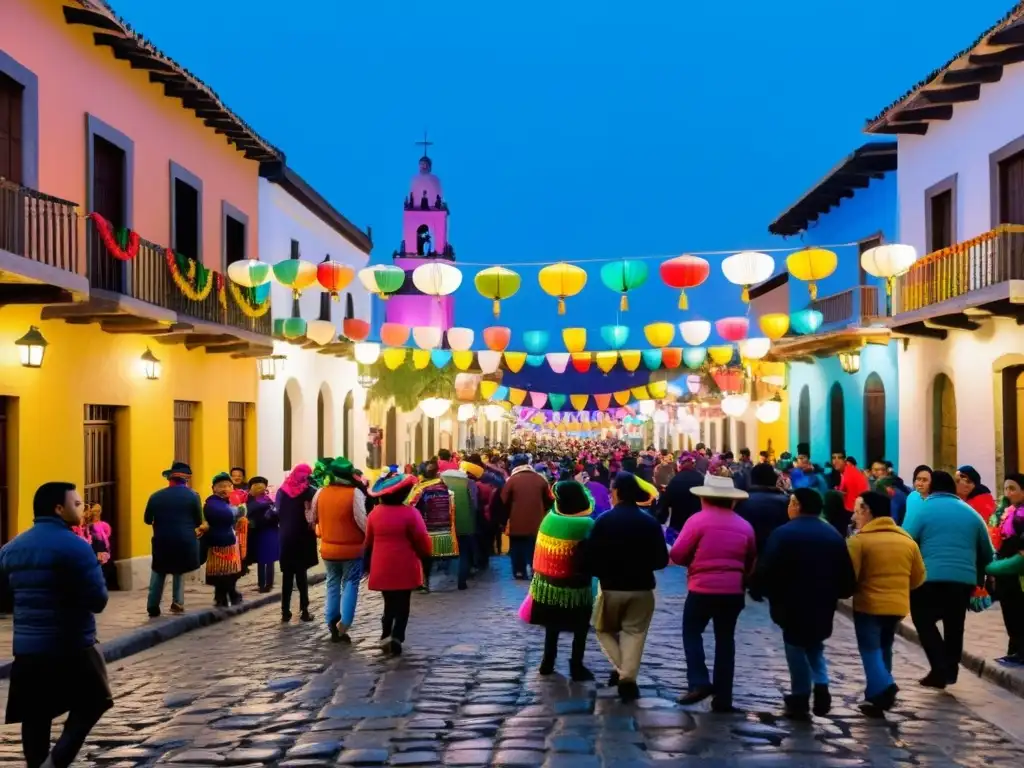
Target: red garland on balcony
<point x="126" y="252"/>
<point x="197" y="283"/>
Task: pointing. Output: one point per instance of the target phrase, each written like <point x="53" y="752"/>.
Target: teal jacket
<point x="953" y="539"/>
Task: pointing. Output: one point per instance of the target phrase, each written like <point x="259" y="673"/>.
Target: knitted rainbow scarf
<point x="557" y="578"/>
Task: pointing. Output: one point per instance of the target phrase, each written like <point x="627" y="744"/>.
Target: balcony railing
<point x="858" y="305"/>
<point x="990" y="259"/>
<point x="38" y="227"/>
<point x="147" y="278"/>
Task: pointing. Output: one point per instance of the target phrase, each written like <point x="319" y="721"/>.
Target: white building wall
<point x="305" y="372"/>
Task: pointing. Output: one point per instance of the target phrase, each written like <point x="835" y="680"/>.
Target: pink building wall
<point x="77" y="78"/>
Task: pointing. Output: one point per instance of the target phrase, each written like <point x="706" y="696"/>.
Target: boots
<point x="797" y="707"/>
<point x="822" y="700"/>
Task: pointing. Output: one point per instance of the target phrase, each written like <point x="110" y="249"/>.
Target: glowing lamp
<point x="366" y="352"/>
<point x="850" y="361"/>
<point x="769" y="411"/>
<point x="695" y="332"/>
<point x="435" y="407"/>
<point x="735" y="405"/>
<point x="295" y="274"/>
<point x="466" y="412"/>
<point x="320" y="331"/>
<point x="32" y="348"/>
<point x="755" y="348"/>
<point x="382" y="280"/>
<point x="334" y="276"/>
<point x="748" y="268"/>
<point x="150" y="365"/>
<point x="437" y="279"/>
<point x="494" y="412"/>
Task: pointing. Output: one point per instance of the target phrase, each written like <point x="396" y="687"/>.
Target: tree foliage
<point x="408" y="386"/>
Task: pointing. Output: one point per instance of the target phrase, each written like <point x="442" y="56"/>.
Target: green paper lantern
<point x="652" y="359"/>
<point x="556" y="401"/>
<point x="294" y="328"/>
<point x="623" y="277"/>
<point x="615" y="336"/>
<point x="693" y="357"/>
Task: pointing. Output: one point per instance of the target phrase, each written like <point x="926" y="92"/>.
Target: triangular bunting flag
<point x="579" y="402"/>
<point x="537" y="399"/>
<point x="630" y="359"/>
<point x="516" y="396"/>
<point x="581" y="361"/>
<point x="557" y="400"/>
<point x="622" y="397"/>
<point x="515" y="361"/>
<point x="420" y="358"/>
<point x="463" y="360"/>
<point x="440" y="357"/>
<point x="671" y="357"/>
<point x="603" y="401"/>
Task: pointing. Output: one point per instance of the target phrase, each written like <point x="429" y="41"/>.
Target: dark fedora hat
<point x="178" y="469"/>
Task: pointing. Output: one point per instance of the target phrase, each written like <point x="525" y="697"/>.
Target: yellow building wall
<point x="778" y="431"/>
<point x="84" y="365"/>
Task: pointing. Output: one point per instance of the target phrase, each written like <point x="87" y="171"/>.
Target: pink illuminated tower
<point x="424" y="239"/>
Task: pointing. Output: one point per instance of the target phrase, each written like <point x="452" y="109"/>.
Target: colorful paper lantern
<point x="721" y="355"/>
<point x="394" y="357"/>
<point x="562" y="281"/>
<point x="769" y="411"/>
<point x="630" y="359"/>
<point x="671" y="357"/>
<point x="249" y="273"/>
<point x="487" y="389"/>
<point x="806" y="321"/>
<point x="497" y="338"/>
<point x="535" y="342"/>
<point x="684" y="272"/>
<point x="366" y="352"/>
<point x="515" y="361"/>
<point x="575" y="339"/>
<point x="535" y="361"/>
<point x="615" y="336"/>
<point x="748" y="268"/>
<point x="732" y="328"/>
<point x="694" y="357"/>
<point x="652" y="359"/>
<point x="355" y="329"/>
<point x="695" y="332"/>
<point x="463" y="359"/>
<point x="606" y="361"/>
<point x="437" y="279"/>
<point x="558" y="361"/>
<point x="581" y="361"/>
<point x="293" y="328"/>
<point x="440" y="357"/>
<point x="295" y="274"/>
<point x="729" y="379"/>
<point x="622" y="277"/>
<point x="694" y="383"/>
<point x="888" y="262"/>
<point x="466" y="412"/>
<point x="420" y="359"/>
<point x="811" y="265"/>
<point x="394" y="334"/>
<point x="735" y="406"/>
<point x="334" y="276"/>
<point x="497" y="284"/>
<point x="755" y="348"/>
<point x="489" y="360"/>
<point x="426" y="336"/>
<point x="320" y="331"/>
<point x="774" y="325"/>
<point x="659" y="334"/>
<point x="382" y="280"/>
<point x="459" y="339"/>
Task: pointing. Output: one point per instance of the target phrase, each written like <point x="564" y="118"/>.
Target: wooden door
<point x="236" y="434"/>
<point x="803" y="418"/>
<point x="108" y="199"/>
<point x="944" y="436"/>
<point x="941" y="235"/>
<point x="184" y="418"/>
<point x="11" y="96"/>
<point x="286" y="431"/>
<point x="874" y="420"/>
<point x="1011" y="190"/>
<point x="101" y="468"/>
<point x="837" y="419"/>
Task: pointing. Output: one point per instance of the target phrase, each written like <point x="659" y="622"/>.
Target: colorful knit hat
<point x="221" y="477"/>
<point x="519" y="460"/>
<point x="650" y="490"/>
<point x="473" y="470"/>
<point x="392" y="482"/>
<point x="572" y="498"/>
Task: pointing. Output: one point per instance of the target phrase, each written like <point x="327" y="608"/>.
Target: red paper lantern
<point x="671" y="357"/>
<point x="355" y="329"/>
<point x="497" y="338"/>
<point x="729" y="379"/>
<point x="581" y="361"/>
<point x="684" y="272"/>
<point x="334" y="277"/>
<point x="732" y="328"/>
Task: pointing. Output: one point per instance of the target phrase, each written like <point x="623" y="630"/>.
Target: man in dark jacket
<point x="677" y="503"/>
<point x="625" y="548"/>
<point x="176" y="513"/>
<point x="804" y="570"/>
<point x="766" y="509"/>
<point x="58" y="586"/>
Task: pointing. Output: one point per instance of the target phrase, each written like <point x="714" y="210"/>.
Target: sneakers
<point x="877" y="706"/>
<point x="822" y="700"/>
<point x="154" y="613"/>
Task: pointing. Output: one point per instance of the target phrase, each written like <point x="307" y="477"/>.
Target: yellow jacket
<point x="888" y="565"/>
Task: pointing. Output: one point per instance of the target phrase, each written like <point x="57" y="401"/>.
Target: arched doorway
<point x="320" y="425"/>
<point x="391" y="437"/>
<point x="431" y="431"/>
<point x="418" y="442"/>
<point x="726" y="434"/>
<point x="803" y="417"/>
<point x="1013" y="416"/>
<point x="837" y="419"/>
<point x="943" y="424"/>
<point x="347" y="427"/>
<point x="291" y="425"/>
<point x="874" y="420"/>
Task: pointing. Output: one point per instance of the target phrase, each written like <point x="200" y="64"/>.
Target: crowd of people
<point x="588" y="523"/>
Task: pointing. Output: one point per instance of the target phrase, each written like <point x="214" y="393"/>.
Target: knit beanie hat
<point x="571" y="498"/>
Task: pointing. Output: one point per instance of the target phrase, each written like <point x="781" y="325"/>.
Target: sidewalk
<point x="984" y="642"/>
<point x="125" y="628"/>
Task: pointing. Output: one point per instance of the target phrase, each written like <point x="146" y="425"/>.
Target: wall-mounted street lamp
<point x="267" y="366"/>
<point x="150" y="365"/>
<point x="32" y="348"/>
<point x="850" y="361"/>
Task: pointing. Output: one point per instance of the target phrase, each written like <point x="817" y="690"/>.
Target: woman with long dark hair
<point x="298" y="539"/>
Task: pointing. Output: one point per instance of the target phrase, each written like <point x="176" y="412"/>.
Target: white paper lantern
<point x="437" y="278"/>
<point x="748" y="268"/>
<point x="888" y="261"/>
<point x="694" y="383"/>
<point x="769" y="411"/>
<point x="735" y="405"/>
<point x="648" y="407"/>
<point x="249" y="273"/>
<point x="427" y="336"/>
<point x="488" y="360"/>
<point x="494" y="412"/>
<point x="755" y="348"/>
<point x="558" y="361"/>
<point x="695" y="332"/>
<point x="367" y="352"/>
<point x="460" y="339"/>
<point x="433" y="407"/>
<point x="320" y="331"/>
<point x="466" y="412"/>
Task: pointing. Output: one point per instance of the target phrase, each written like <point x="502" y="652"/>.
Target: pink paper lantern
<point x="732" y="328"/>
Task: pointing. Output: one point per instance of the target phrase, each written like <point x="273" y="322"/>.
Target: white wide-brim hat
<point x="716" y="487"/>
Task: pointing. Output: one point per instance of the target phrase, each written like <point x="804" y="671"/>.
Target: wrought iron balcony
<point x="854" y="306"/>
<point x="39" y="227"/>
<point x="965" y="268"/>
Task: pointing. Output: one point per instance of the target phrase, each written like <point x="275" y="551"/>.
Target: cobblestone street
<point x="254" y="691"/>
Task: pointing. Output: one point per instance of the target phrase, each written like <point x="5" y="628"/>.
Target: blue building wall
<point x="871" y="211"/>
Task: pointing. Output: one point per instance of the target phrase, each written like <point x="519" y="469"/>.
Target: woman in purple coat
<point x="264" y="539"/>
<point x="298" y="539"/>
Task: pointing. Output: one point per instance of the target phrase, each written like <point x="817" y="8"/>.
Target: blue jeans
<point x="342" y="591"/>
<point x="520" y="552"/>
<point x="875" y="636"/>
<point x="723" y="611"/>
<point x="467" y="555"/>
<point x="156" y="590"/>
<point x="807" y="668"/>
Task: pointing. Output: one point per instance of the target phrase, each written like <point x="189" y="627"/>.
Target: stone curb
<point x="148" y="637"/>
<point x="979" y="665"/>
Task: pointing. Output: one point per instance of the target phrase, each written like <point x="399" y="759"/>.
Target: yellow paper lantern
<point x="575" y="339"/>
<point x="659" y="334"/>
<point x="394" y="357"/>
<point x="658" y="389"/>
<point x="516" y="396"/>
<point x="463" y="359"/>
<point x="562" y="281"/>
<point x="487" y="389"/>
<point x="515" y="361"/>
<point x="622" y="397"/>
<point x="420" y="359"/>
<point x="631" y="359"/>
<point x="774" y="325"/>
<point x="640" y="393"/>
<point x="720" y="355"/>
<point x="811" y="264"/>
<point x="579" y="402"/>
<point x="496" y="283"/>
<point x="606" y="360"/>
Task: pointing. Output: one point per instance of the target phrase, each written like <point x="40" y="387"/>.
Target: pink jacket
<point x="717" y="548"/>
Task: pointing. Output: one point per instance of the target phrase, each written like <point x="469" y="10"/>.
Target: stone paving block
<point x="363" y="757"/>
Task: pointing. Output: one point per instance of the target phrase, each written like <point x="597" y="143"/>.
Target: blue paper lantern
<point x="652" y="359"/>
<point x="535" y="342"/>
<point x="440" y="357"/>
<point x="615" y="336"/>
<point x="693" y="357"/>
<point x="806" y="321"/>
<point x="535" y="361"/>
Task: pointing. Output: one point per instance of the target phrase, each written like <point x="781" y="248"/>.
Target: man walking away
<point x="340" y="509"/>
<point x="803" y="570"/>
<point x="625" y="548"/>
<point x="58" y="587"/>
<point x="176" y="514"/>
<point x="527" y="497"/>
<point x="467" y="504"/>
<point x="956" y="548"/>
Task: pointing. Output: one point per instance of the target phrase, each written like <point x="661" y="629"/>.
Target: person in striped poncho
<point x="561" y="597"/>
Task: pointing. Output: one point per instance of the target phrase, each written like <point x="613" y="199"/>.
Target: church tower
<point x="424" y="239"/>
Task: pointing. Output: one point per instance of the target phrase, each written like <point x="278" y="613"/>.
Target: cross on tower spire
<point x="425" y="144"/>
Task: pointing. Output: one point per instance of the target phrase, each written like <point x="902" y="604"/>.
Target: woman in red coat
<point x="396" y="543"/>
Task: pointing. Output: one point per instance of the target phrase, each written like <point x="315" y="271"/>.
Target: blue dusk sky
<point x="570" y="129"/>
